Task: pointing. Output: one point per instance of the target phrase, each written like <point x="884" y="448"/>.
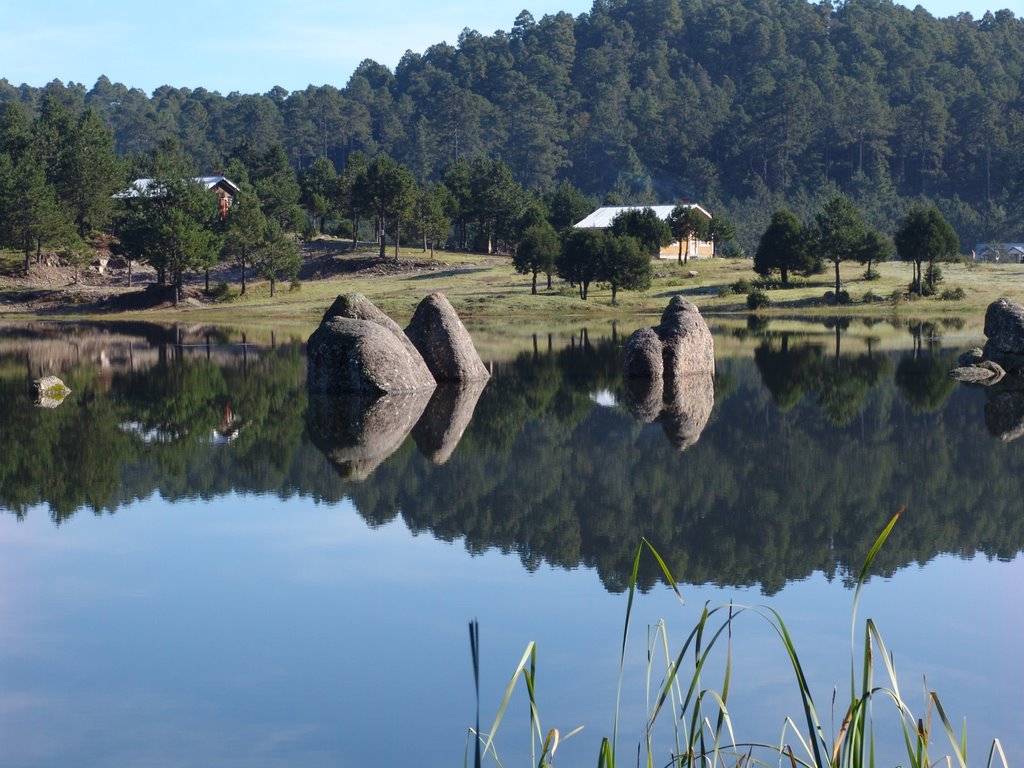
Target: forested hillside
<point x="741" y="104"/>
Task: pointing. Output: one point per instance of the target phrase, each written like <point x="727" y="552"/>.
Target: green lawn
<point x="487" y="290"/>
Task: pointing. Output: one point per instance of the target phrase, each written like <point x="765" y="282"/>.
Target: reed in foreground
<point x="701" y="729"/>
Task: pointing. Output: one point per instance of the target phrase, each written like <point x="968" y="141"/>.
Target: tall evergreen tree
<point x="246" y="230"/>
<point x="92" y="174"/>
<point x="838" y="233"/>
<point x="30" y="214"/>
<point x="317" y="182"/>
<point x="783" y="248"/>
<point x="643" y="224"/>
<point x="686" y="223"/>
<point x="625" y="265"/>
<point x="387" y="189"/>
<point x="537" y="252"/>
<point x="925" y="235"/>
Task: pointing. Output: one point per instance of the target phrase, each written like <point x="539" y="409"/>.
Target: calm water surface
<point x="203" y="567"/>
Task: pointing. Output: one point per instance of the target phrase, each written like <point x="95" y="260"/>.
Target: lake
<point x="201" y="566"/>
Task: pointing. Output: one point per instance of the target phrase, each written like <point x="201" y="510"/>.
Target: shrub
<point x="933" y="274"/>
<point x="741" y="286"/>
<point x="731" y="250"/>
<point x="926" y="290"/>
<point x="954" y="294"/>
<point x="872" y="274"/>
<point x="221" y="291"/>
<point x="844" y="298"/>
<point x="758" y="300"/>
<point x="775" y="283"/>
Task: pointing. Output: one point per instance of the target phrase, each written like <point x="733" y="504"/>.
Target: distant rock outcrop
<point x="443" y="341"/>
<point x="669" y="372"/>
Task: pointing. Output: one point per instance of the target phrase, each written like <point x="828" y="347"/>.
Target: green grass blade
<point x="665" y="570"/>
<point x="622" y="652"/>
<point x="488" y="746"/>
<point x="474" y="648"/>
<point x="961" y="756"/>
<point x="861" y="580"/>
<point x="814" y="730"/>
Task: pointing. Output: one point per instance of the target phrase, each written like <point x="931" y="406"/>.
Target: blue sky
<point x="252" y="46"/>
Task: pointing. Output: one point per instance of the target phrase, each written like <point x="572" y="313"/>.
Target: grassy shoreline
<point x="486" y="288"/>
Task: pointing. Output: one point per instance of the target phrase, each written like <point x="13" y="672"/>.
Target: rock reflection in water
<point x="1004" y="411"/>
<point x="356" y="433"/>
<point x="682" y="406"/>
<point x="442" y="425"/>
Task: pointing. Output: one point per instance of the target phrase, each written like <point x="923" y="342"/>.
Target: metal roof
<point x="141" y="187"/>
<point x="602" y="217"/>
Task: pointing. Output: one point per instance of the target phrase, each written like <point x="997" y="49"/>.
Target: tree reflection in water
<point x="800" y="456"/>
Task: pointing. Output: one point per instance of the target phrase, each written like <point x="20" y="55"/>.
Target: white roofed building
<point x="602" y="219"/>
<point x="225" y="189"/>
<point x="1005" y="253"/>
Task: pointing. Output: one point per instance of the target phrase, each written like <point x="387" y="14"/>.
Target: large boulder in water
<point x="644" y="356"/>
<point x="681" y="345"/>
<point x="1004" y="327"/>
<point x="443" y="341"/>
<point x="358" y="307"/>
<point x="669" y="372"/>
<point x="357" y="348"/>
<point x="688" y="347"/>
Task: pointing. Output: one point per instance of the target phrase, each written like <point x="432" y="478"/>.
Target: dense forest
<point x="744" y="105"/>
